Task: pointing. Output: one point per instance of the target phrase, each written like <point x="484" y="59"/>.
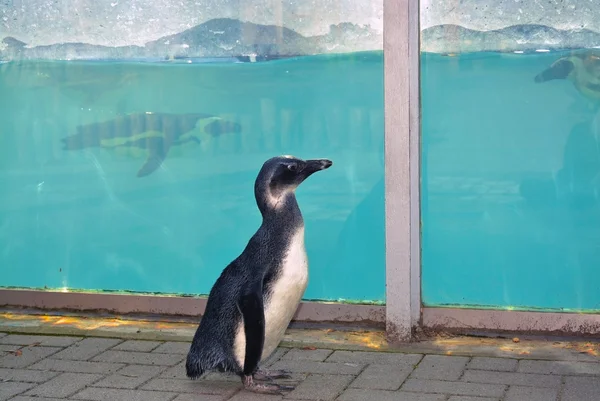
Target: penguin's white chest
<point x="286" y="292"/>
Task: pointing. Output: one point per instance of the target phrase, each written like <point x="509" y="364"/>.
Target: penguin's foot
<point x="262" y="388"/>
<point x="268" y="375"/>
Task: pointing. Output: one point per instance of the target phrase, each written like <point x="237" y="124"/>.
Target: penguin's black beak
<point x="317" y="165"/>
<point x="559" y="70"/>
<point x="312" y="166"/>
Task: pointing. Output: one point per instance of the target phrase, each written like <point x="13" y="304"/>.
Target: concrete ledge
<point x="549" y="323"/>
<point x="91" y="325"/>
<point x="176" y="306"/>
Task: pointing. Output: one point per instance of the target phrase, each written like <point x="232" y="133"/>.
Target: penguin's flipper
<point x="251" y="306"/>
<point x="157" y="152"/>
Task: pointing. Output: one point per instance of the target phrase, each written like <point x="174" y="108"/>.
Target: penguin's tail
<point x="193" y="367"/>
<point x="202" y="360"/>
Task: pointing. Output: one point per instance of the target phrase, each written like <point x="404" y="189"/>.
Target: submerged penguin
<point x="582" y="69"/>
<point x="253" y="301"/>
<point x="154" y="134"/>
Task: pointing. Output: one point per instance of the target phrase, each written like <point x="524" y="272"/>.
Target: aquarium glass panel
<point x="511" y="154"/>
<point x="132" y="133"/>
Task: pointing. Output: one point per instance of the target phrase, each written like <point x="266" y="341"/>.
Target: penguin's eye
<point x="293" y="167"/>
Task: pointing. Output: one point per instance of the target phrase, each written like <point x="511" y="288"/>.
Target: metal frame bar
<point x="463" y="320"/>
<point x="372" y="315"/>
<point x="414" y="55"/>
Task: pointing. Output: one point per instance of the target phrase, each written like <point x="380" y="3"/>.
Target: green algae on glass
<point x="517" y="308"/>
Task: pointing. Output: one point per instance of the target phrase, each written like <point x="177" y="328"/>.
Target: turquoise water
<point x="81" y="218"/>
<point x="510" y="187"/>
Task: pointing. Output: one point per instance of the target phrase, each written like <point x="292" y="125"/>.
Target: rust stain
<point x="84" y="323"/>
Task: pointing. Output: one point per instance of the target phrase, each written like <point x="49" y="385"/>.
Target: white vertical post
<point x="400" y="44"/>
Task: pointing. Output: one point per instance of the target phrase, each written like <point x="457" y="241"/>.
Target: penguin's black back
<point x="212" y="346"/>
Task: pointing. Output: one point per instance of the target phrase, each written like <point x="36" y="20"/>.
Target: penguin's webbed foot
<point x="262" y="388"/>
<point x="268" y="375"/>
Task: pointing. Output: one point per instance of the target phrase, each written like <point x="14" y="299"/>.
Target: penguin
<point x="254" y="299"/>
<point x="582" y="69"/>
<point x="152" y="134"/>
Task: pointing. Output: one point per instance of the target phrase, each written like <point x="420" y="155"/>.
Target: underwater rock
<point x="526" y="38"/>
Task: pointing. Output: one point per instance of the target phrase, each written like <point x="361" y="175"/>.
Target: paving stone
<point x="321" y="387"/>
<point x="454" y="388"/>
<point x="294" y="379"/>
<point x="222" y="377"/>
<point x="87" y="348"/>
<point x="109" y="394"/>
<point x="512" y="378"/>
<point x="440" y="367"/>
<point x="173" y="348"/>
<point x="382" y="377"/>
<point x="581" y="389"/>
<point x="318" y="367"/>
<point x="28" y="356"/>
<point x="139" y="346"/>
<point x="233" y="378"/>
<point x="355" y="394"/>
<point x="3" y="335"/>
<point x="559" y="367"/>
<point x="25" y="375"/>
<point x="64" y="385"/>
<point x="8" y="348"/>
<point x="468" y="398"/>
<point x="496" y="364"/>
<point x="298" y="354"/>
<point x="130" y="376"/>
<point x="26" y="398"/>
<point x="175" y="372"/>
<point x="274" y="357"/>
<point x="138" y="358"/>
<point x="61" y="365"/>
<point x="379" y="358"/>
<point x="46" y="341"/>
<point x="522" y="393"/>
<point x="193" y="386"/>
<point x="205" y="397"/>
<point x="10" y="389"/>
<point x="249" y="396"/>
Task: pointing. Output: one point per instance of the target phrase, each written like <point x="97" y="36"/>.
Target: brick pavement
<point x="53" y="368"/>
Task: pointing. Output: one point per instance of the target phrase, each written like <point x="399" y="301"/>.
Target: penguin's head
<point x="560" y="69"/>
<point x="281" y="175"/>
